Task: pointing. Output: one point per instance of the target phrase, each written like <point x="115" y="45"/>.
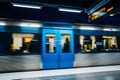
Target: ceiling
<point x="73" y="3"/>
<point x="49" y="11"/>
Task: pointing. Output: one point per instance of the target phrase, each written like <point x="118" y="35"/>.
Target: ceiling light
<point x="107" y="29"/>
<point x="112" y="14"/>
<point x="70" y="10"/>
<point x="26" y="6"/>
<point x="87" y="28"/>
<point x="26" y="24"/>
<point x="2" y="23"/>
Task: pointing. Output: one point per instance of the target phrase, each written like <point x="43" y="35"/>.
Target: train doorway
<point x="58" y="49"/>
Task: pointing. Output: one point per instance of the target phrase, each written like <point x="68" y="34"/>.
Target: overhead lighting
<point x="107" y="29"/>
<point x="26" y="24"/>
<point x="2" y="23"/>
<point x="113" y="29"/>
<point x="87" y="28"/>
<point x="70" y="10"/>
<point x="112" y="14"/>
<point x="26" y="6"/>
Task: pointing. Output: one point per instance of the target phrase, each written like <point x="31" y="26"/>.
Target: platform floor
<point x="89" y="73"/>
<point x="113" y="75"/>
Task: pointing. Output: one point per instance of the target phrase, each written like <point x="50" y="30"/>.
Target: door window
<point x="65" y="43"/>
<point x="50" y="43"/>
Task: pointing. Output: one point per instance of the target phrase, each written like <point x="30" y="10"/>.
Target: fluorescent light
<point x="2" y="23"/>
<point x="114" y="29"/>
<point x="25" y="24"/>
<point x="112" y="14"/>
<point x="70" y="10"/>
<point x="110" y="29"/>
<point x="87" y="28"/>
<point x="26" y="6"/>
<point x="107" y="29"/>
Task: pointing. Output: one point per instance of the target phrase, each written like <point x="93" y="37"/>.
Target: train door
<point x="58" y="49"/>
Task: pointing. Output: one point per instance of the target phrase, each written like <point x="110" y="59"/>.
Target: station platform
<point x="88" y="73"/>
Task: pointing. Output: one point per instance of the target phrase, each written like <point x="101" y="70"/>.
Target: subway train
<point x="34" y="45"/>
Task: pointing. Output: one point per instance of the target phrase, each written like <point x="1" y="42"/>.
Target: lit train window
<point x="110" y="42"/>
<point x="22" y="42"/>
<point x="50" y="43"/>
<point x="65" y="43"/>
<point x="87" y="43"/>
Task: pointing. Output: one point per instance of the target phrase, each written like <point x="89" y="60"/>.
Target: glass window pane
<point x="65" y="43"/>
<point x="110" y="43"/>
<point x="18" y="43"/>
<point x="50" y="43"/>
<point x="23" y="42"/>
<point x="87" y="43"/>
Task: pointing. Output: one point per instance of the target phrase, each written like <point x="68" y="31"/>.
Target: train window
<point x="50" y="43"/>
<point x="24" y="43"/>
<point x="87" y="43"/>
<point x="15" y="43"/>
<point x="97" y="44"/>
<point x="110" y="43"/>
<point x="65" y="43"/>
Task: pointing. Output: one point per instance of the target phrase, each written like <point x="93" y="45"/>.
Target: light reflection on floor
<point x="89" y="76"/>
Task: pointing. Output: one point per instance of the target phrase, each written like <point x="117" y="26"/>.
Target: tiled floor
<point x="113" y="75"/>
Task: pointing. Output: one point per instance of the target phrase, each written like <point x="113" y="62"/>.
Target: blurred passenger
<point x="66" y="47"/>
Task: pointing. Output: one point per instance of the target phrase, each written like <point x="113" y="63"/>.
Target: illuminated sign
<point x="100" y="12"/>
<point x="104" y="10"/>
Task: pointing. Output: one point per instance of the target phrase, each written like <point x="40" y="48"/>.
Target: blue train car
<point x="57" y="45"/>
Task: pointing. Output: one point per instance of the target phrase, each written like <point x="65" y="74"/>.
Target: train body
<point x="57" y="46"/>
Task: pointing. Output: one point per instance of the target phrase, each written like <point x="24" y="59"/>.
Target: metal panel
<point x="20" y="29"/>
<point x="20" y="63"/>
<point x="93" y="32"/>
<point x="96" y="59"/>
